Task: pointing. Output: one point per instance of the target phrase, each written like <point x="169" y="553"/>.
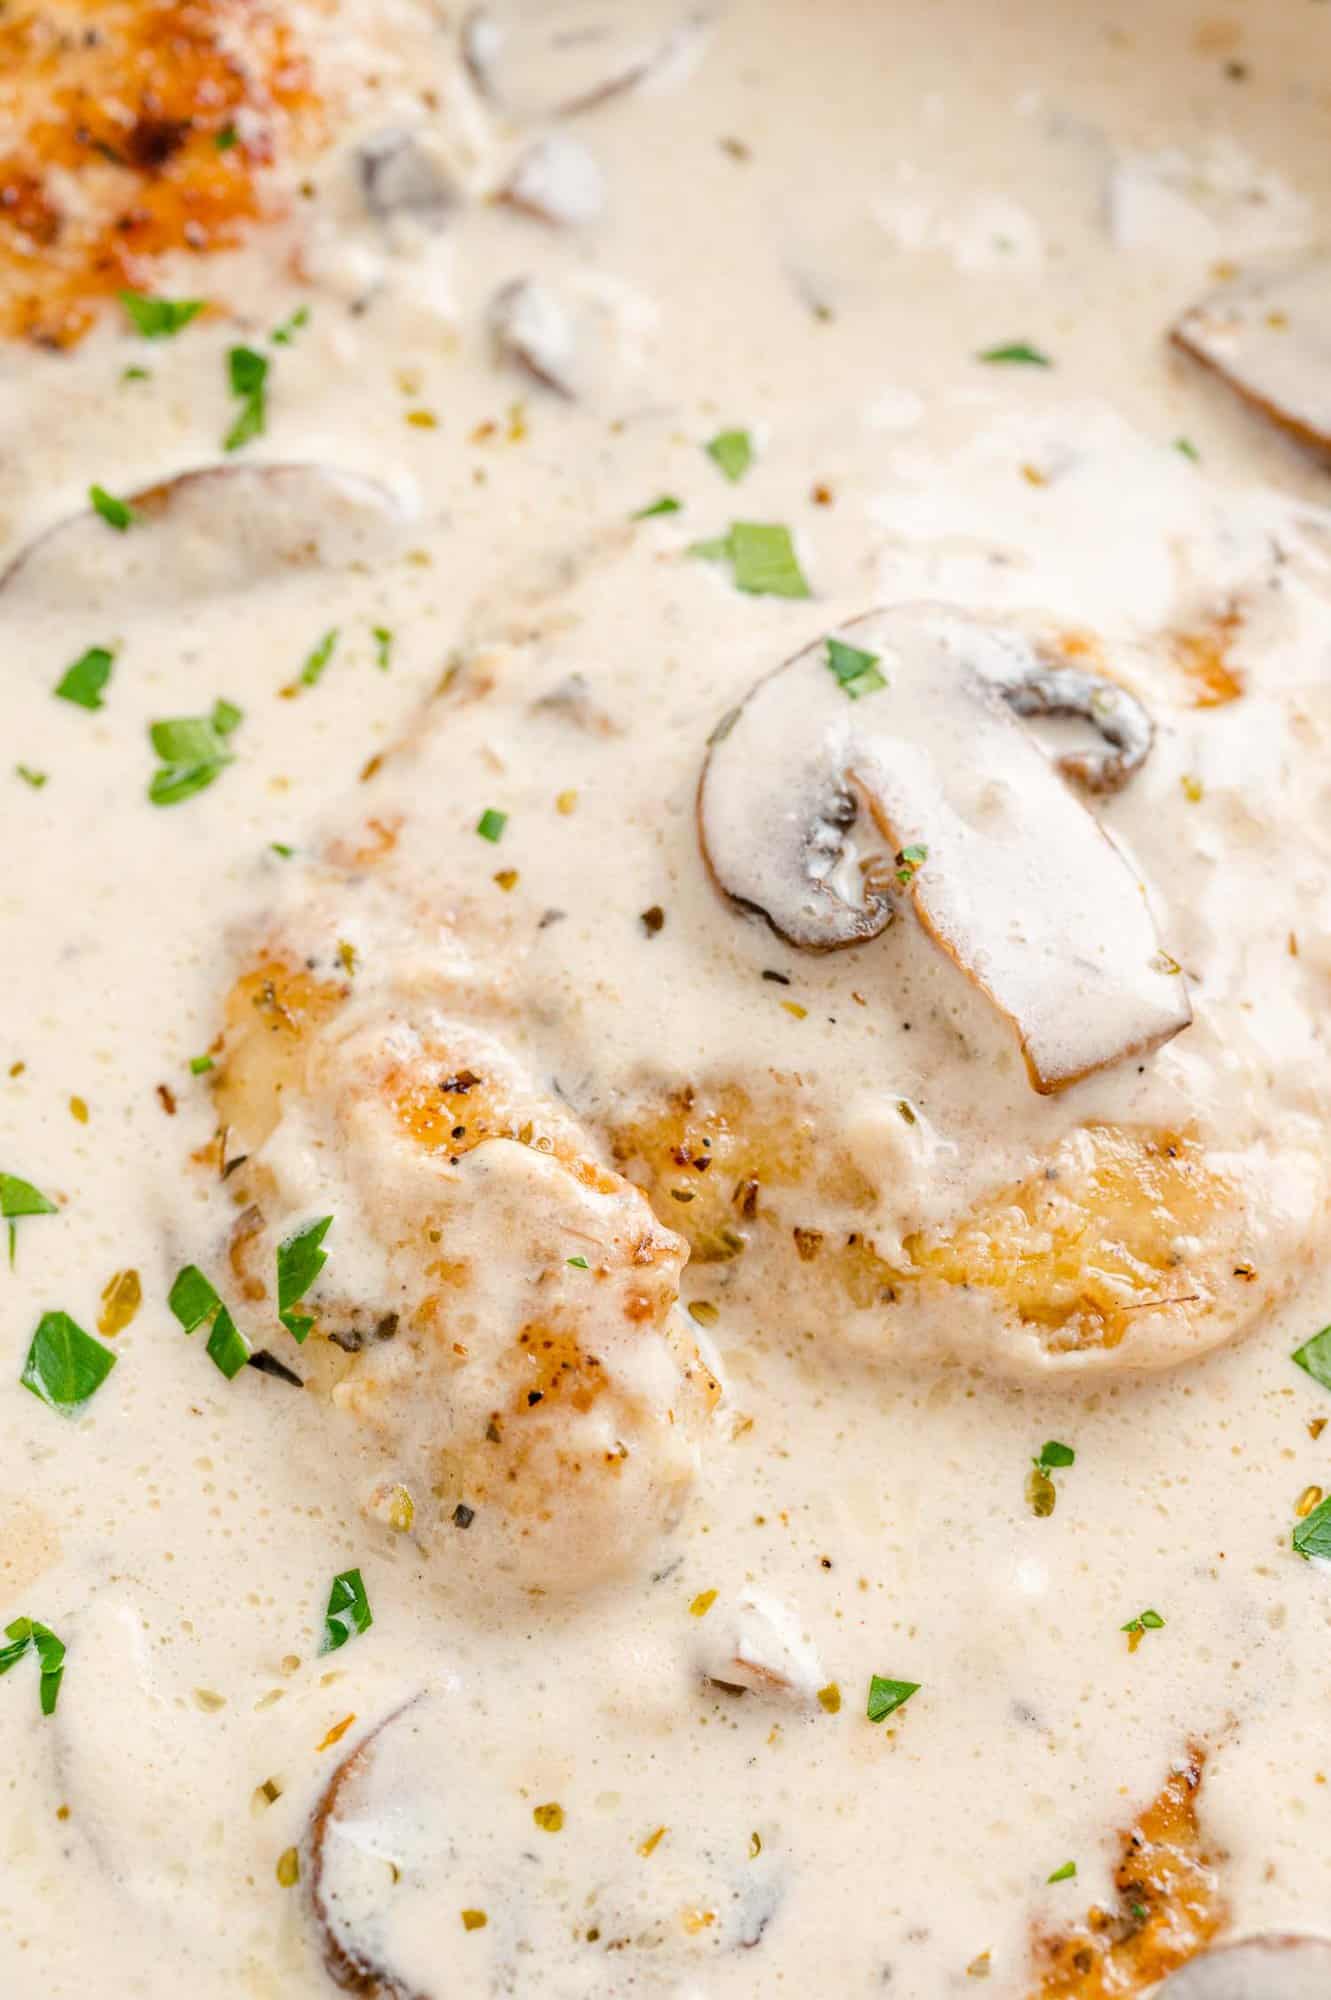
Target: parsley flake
<point x="383" y="646"/>
<point x="348" y="1611"/>
<point x="1018" y="353"/>
<point x="117" y="514"/>
<point x="886" y="1696"/>
<point x="667" y="504"/>
<point x="762" y="557"/>
<point x="1067" y="1873"/>
<point x="910" y="860"/>
<point x="248" y="376"/>
<point x="30" y="777"/>
<point x="29" y="1635"/>
<point x="226" y="139"/>
<point x="159" y="319"/>
<point x="1312" y="1536"/>
<point x="193" y="750"/>
<point x="300" y="1259"/>
<point x="65" y="1366"/>
<point x="856" y="671"/>
<point x="732" y="451"/>
<point x="1188" y="449"/>
<point x="283" y="335"/>
<point x="579" y="1263"/>
<point x="312" y="671"/>
<point x="82" y="683"/>
<point x="19" y="1197"/>
<point x="195" y="1302"/>
<point x="491" y="824"/>
<point x="1314" y="1357"/>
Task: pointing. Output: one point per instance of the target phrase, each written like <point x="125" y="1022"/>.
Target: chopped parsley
<point x="200" y="1065"/>
<point x="1188" y="449"/>
<point x="856" y="672"/>
<point x="910" y="860"/>
<point x="299" y="1261"/>
<point x="82" y="683"/>
<point x="29" y="1635"/>
<point x="491" y="824"/>
<point x="667" y="504"/>
<point x="1018" y="353"/>
<point x="1145" y="1621"/>
<point x="226" y="139"/>
<point x="1067" y="1873"/>
<point x="195" y="1303"/>
<point x="19" y="1197"/>
<point x="1040" y="1489"/>
<point x="383" y="647"/>
<point x="1054" y="1455"/>
<point x="30" y="777"/>
<point x="159" y="319"/>
<point x="762" y="557"/>
<point x="1312" y="1536"/>
<point x="348" y="1611"/>
<point x="280" y="848"/>
<point x="65" y="1366"/>
<point x="117" y="514"/>
<point x="732" y="451"/>
<point x="579" y="1263"/>
<point x="248" y="376"/>
<point x="193" y="750"/>
<point x="312" y="671"/>
<point x="283" y="335"/>
<point x="136" y="374"/>
<point x="886" y="1696"/>
<point x="1314" y="1357"/>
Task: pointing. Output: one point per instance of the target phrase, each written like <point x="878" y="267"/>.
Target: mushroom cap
<point x="1273" y="1966"/>
<point x="1270" y="340"/>
<point x="215" y="529"/>
<point x="1006" y="868"/>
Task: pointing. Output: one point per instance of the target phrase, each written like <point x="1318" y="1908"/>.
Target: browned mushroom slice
<point x="560" y="57"/>
<point x="1032" y="686"/>
<point x="1007" y="870"/>
<point x="1270" y="340"/>
<point x="1274" y="1966"/>
<point x="220" y="528"/>
<point x="406" y="1845"/>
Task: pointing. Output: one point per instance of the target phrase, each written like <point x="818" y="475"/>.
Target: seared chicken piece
<point x="1168" y="1906"/>
<point x="498" y="1315"/>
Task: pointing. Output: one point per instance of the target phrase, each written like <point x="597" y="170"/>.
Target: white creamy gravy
<point x="908" y="188"/>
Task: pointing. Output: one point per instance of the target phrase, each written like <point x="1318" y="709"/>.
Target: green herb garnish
<point x="200" y="1065"/>
<point x="885" y="1696"/>
<point x="316" y="661"/>
<point x="856" y="672"/>
<point x="280" y="847"/>
<point x="135" y="374"/>
<point x="578" y="1263"/>
<point x="1055" y="1454"/>
<point x="248" y="375"/>
<point x="27" y="1635"/>
<point x="491" y="824"/>
<point x="762" y="556"/>
<point x="30" y="777"/>
<point x="195" y="1302"/>
<point x="1314" y="1357"/>
<point x="1312" y="1536"/>
<point x="348" y="1611"/>
<point x="732" y="451"/>
<point x="667" y="504"/>
<point x="283" y="335"/>
<point x="1188" y="449"/>
<point x="1040" y="1488"/>
<point x="193" y="751"/>
<point x="910" y="860"/>
<point x="117" y="514"/>
<point x="82" y="683"/>
<point x="1066" y="1873"/>
<point x="226" y="139"/>
<point x="299" y="1261"/>
<point x="65" y="1366"/>
<point x="159" y="319"/>
<point x="383" y="646"/>
<point x="19" y="1197"/>
<point x="1018" y="352"/>
<point x="1145" y="1621"/>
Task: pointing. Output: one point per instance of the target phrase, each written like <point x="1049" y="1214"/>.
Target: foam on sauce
<point x="813" y="223"/>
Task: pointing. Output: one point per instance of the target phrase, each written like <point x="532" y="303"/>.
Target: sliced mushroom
<point x="221" y="528"/>
<point x="412" y="1834"/>
<point x="556" y="60"/>
<point x="1032" y="686"/>
<point x="1273" y="1966"/>
<point x="534" y="331"/>
<point x="1005" y="867"/>
<point x="759" y="1645"/>
<point x="401" y="175"/>
<point x="557" y="180"/>
<point x="1270" y="340"/>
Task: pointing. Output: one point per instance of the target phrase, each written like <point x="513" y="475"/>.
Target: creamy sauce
<point x="807" y="223"/>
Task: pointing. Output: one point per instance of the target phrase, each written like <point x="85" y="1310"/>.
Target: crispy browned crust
<point x="1168" y="1905"/>
<point x="162" y="115"/>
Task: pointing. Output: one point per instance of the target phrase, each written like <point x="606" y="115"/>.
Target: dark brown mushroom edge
<point x="1269" y="339"/>
<point x="405" y="1830"/>
<point x="216" y="529"/>
<point x="912" y="714"/>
